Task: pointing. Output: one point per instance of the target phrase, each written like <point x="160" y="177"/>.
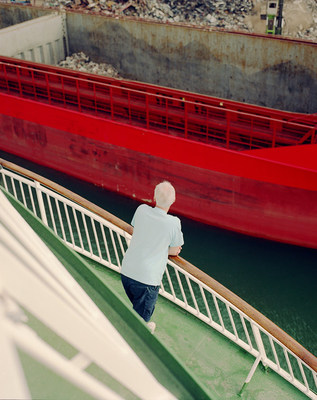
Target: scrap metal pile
<point x="220" y="14"/>
<point x="300" y="15"/>
<point x="81" y="62"/>
<point x="228" y="14"/>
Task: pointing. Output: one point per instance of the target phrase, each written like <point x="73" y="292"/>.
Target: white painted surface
<point x="41" y="40"/>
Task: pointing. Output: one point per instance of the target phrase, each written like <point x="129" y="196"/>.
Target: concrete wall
<point x="14" y="14"/>
<point x="41" y="40"/>
<point x="268" y="71"/>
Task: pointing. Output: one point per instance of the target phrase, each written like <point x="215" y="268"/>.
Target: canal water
<point x="277" y="279"/>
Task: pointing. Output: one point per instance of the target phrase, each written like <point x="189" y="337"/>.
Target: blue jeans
<point x="143" y="297"/>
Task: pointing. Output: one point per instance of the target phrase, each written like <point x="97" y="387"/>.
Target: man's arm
<point x="174" y="251"/>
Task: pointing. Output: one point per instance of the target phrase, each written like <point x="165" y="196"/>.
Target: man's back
<point x="154" y="232"/>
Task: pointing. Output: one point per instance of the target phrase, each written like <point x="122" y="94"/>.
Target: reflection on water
<point x="277" y="279"/>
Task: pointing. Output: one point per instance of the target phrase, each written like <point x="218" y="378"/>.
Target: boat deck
<point x="188" y="357"/>
<point x="219" y="365"/>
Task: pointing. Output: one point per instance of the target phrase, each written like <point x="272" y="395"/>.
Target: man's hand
<point x="174" y="251"/>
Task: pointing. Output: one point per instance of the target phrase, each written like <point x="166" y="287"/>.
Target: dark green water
<point x="277" y="279"/>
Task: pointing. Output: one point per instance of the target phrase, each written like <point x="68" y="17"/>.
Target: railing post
<point x="6" y="77"/>
<point x="186" y="118"/>
<point x="78" y="96"/>
<point x="251" y="373"/>
<point x="258" y="340"/>
<point x="207" y="123"/>
<point x="48" y="88"/>
<point x="251" y="132"/>
<point x="95" y="99"/>
<point x="63" y="90"/>
<point x="129" y="106"/>
<point x="228" y="129"/>
<point x="147" y="111"/>
<point x="111" y="103"/>
<point x="261" y="356"/>
<point x="166" y="116"/>
<point x="2" y="177"/>
<point x="19" y="80"/>
<point x="41" y="202"/>
<point x="33" y="83"/>
<point x="274" y="134"/>
<point x="313" y="134"/>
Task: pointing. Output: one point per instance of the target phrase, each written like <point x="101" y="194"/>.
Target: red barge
<point x="234" y="165"/>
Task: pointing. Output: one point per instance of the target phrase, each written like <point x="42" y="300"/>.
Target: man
<point x="156" y="235"/>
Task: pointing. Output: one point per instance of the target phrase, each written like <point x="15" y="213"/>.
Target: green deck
<point x="188" y="357"/>
<point x="218" y="364"/>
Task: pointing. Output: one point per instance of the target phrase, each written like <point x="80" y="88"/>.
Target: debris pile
<point x="300" y="16"/>
<point x="228" y="14"/>
<point x="82" y="62"/>
<point x="219" y="13"/>
<point x="308" y="34"/>
<point x="307" y="24"/>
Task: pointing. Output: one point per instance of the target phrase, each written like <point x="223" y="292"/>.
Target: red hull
<point x="229" y="189"/>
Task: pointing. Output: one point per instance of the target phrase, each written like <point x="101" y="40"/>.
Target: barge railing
<point x="97" y="234"/>
<point x="185" y="115"/>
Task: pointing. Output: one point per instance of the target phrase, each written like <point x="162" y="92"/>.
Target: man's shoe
<point x="151" y="325"/>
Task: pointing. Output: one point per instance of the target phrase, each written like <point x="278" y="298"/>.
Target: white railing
<point x="101" y="240"/>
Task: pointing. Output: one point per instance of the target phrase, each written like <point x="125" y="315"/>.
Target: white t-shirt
<point x="154" y="232"/>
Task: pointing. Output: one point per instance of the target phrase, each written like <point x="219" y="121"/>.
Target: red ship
<point x="234" y="165"/>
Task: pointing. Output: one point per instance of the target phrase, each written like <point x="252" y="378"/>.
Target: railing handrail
<point x="71" y="195"/>
<point x="116" y="82"/>
<point x="165" y="97"/>
<point x="251" y="312"/>
<point x="235" y="300"/>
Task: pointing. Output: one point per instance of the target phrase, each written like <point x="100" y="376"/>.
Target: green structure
<point x="271" y="16"/>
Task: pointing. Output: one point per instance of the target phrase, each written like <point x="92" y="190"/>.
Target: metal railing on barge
<point x="97" y="234"/>
<point x="186" y="115"/>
